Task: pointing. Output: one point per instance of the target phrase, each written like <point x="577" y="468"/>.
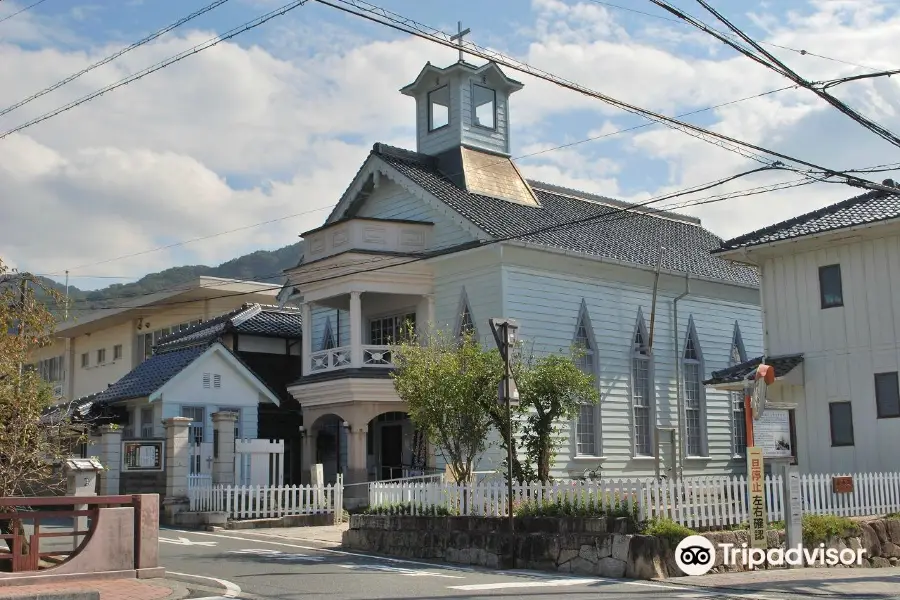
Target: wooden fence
<point x="698" y="502"/>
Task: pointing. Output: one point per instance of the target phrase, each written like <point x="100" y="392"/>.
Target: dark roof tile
<point x="859" y="210"/>
<point x="151" y="374"/>
<point x="632" y="237"/>
<point x="251" y="319"/>
<point x="737" y="373"/>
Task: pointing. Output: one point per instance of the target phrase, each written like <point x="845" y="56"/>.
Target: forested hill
<point x="261" y="265"/>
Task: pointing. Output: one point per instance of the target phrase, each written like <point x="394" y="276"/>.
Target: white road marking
<point x="524" y="584"/>
<point x="181" y="541"/>
<point x="232" y="590"/>
<point x="400" y="571"/>
<point x="279" y="555"/>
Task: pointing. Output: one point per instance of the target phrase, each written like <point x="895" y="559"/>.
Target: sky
<point x="271" y="125"/>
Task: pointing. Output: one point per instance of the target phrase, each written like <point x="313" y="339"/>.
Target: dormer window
<point x="439" y="108"/>
<point x="484" y="102"/>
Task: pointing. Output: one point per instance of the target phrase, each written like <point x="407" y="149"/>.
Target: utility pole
<point x="504" y="331"/>
<point x="23" y="283"/>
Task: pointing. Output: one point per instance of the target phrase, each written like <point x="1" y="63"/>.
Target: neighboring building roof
<point x="76" y="411"/>
<point x="633" y="236"/>
<point x="871" y="207"/>
<point x="737" y="373"/>
<point x="250" y="319"/>
<point x="151" y="374"/>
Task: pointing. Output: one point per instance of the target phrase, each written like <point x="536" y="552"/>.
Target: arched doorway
<point x="395" y="448"/>
<point x="330" y="448"/>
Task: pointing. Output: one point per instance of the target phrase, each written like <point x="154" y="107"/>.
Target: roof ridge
<point x="401" y="153"/>
<point x="245" y="315"/>
<point x="589" y="197"/>
<point x="736" y="242"/>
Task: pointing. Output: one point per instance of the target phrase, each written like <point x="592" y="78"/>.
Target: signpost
<point x="756" y="483"/>
<point x="793" y="512"/>
<point x="772" y="433"/>
<point x="504" y="331"/>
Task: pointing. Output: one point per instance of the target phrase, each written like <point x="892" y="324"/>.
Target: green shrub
<point x="893" y="516"/>
<point x="668" y="530"/>
<point x="821" y="528"/>
<point x="406" y="509"/>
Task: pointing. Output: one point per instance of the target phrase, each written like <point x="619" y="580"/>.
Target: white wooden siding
<point x="480" y="137"/>
<point x="447" y="137"/>
<point x="843" y="348"/>
<point x="547" y="306"/>
<point x="392" y="201"/>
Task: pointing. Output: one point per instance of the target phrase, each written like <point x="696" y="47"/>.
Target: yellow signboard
<point x="756" y="484"/>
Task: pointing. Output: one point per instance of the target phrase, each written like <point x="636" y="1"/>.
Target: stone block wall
<point x="584" y="546"/>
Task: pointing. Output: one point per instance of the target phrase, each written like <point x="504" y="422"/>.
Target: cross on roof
<point x="458" y="37"/>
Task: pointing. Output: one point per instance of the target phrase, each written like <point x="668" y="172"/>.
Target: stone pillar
<point x="307" y="453"/>
<point x="223" y="467"/>
<point x="111" y="459"/>
<point x="306" y="349"/>
<point x="356" y="337"/>
<point x="356" y="495"/>
<point x="177" y="470"/>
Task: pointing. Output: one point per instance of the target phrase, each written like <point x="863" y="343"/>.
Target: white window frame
<point x="146" y="426"/>
<point x="588" y="411"/>
<point x="399" y="319"/>
<point x="465" y="309"/>
<point x="737" y="356"/>
<point x="639" y="353"/>
<point x="328" y="341"/>
<point x="692" y="372"/>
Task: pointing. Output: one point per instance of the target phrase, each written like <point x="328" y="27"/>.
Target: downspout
<point x="678" y="397"/>
<point x="654" y="435"/>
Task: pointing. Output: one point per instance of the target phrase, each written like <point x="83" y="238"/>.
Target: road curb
<point x="229" y="589"/>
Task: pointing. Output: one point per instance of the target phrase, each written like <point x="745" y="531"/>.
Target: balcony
<point x="367" y="235"/>
<point x="342" y="358"/>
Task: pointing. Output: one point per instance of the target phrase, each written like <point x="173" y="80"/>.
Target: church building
<point x="452" y="234"/>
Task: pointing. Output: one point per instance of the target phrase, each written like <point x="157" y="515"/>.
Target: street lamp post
<point x="504" y="331"/>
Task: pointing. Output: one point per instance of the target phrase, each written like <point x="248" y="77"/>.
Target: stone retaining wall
<point x="584" y="546"/>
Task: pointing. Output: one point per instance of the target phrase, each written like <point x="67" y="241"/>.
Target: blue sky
<point x="275" y="122"/>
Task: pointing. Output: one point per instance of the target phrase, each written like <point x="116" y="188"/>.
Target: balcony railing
<point x="334" y="359"/>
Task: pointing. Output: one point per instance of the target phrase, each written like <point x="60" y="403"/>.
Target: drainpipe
<point x="679" y="399"/>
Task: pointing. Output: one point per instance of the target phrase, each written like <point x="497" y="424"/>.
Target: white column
<point x="177" y="468"/>
<point x="357" y="495"/>
<point x="429" y="314"/>
<point x="306" y="325"/>
<point x="355" y="330"/>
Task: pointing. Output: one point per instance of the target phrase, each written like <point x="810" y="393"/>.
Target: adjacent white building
<point x="831" y="306"/>
<point x="452" y="234"/>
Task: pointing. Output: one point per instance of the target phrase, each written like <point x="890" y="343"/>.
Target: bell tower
<point x="462" y="105"/>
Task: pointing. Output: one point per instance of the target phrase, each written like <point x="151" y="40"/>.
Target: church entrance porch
<point x="365" y="442"/>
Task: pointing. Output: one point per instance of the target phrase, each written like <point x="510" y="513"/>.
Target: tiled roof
<point x="151" y="374"/>
<point x="632" y="236"/>
<point x="251" y="319"/>
<point x="782" y="365"/>
<point x="76" y="410"/>
<point x="867" y="208"/>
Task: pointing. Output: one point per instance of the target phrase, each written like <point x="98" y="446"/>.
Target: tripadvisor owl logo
<point x="695" y="555"/>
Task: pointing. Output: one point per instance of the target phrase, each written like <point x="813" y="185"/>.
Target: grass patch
<point x="668" y="530"/>
<point x="406" y="509"/>
<point x="821" y="528"/>
<point x="585" y="505"/>
<point x="893" y="516"/>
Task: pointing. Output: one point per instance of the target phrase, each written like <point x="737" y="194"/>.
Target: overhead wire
<point x="765" y="58"/>
<point x="20" y="11"/>
<point x="145" y="40"/>
<point x="615" y="213"/>
<point x="210" y="43"/>
<point x="398" y="22"/>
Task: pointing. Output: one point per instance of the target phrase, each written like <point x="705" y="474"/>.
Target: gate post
<point x="176" y="499"/>
<point x="223" y="452"/>
<point x="111" y="459"/>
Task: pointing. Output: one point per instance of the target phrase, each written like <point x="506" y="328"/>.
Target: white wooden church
<point x="414" y="238"/>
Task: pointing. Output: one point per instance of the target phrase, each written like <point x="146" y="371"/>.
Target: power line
<point x="768" y="60"/>
<point x="20" y="11"/>
<point x="115" y="55"/>
<point x="774" y="45"/>
<point x="605" y="217"/>
<point x="161" y="65"/>
<point x="398" y="22"/>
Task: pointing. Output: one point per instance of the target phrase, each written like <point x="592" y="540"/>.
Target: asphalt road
<point x="256" y="566"/>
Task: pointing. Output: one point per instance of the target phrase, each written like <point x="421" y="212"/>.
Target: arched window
<point x="694" y="409"/>
<point x="587" y="423"/>
<point x="738" y="416"/>
<point x="465" y="323"/>
<point x="642" y="397"/>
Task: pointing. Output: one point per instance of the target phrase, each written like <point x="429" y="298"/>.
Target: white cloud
<point x="238" y="135"/>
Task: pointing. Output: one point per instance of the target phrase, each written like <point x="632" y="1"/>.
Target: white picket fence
<point x="199" y="480"/>
<point x="267" y="502"/>
<point x="697" y="502"/>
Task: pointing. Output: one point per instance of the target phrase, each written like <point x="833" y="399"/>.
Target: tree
<point x="30" y="450"/>
<point x="551" y="388"/>
<point x="448" y="386"/>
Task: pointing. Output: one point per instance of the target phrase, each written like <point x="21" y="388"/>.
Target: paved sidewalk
<point x="110" y="589"/>
<point x="819" y="583"/>
<point x="329" y="535"/>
